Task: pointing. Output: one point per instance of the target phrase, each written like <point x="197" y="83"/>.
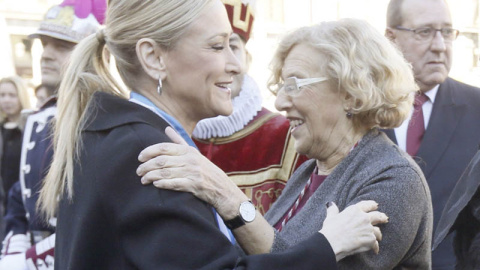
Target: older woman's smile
<point x="295" y="123"/>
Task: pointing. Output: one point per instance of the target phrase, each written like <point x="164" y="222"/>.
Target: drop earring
<point x="159" y="86"/>
<point x="349" y="114"/>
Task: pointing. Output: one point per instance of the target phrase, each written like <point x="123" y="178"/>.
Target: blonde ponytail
<point x="86" y="74"/>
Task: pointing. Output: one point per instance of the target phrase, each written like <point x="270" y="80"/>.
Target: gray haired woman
<point x="337" y="82"/>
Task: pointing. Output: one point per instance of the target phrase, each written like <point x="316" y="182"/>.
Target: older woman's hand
<point x="353" y="230"/>
<point x="177" y="166"/>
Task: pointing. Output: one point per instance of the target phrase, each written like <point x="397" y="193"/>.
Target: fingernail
<point x="140" y="157"/>
<point x="143" y="180"/>
<point x="329" y="204"/>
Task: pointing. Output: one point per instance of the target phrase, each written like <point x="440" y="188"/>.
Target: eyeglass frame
<point x="417" y="36"/>
<point x="298" y="83"/>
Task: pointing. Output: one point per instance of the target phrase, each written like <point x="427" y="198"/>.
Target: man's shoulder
<point x="462" y="89"/>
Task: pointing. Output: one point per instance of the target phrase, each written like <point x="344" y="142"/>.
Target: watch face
<point x="247" y="211"/>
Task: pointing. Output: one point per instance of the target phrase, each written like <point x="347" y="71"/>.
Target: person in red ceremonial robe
<point x="253" y="145"/>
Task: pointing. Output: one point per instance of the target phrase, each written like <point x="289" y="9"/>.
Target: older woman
<point x="174" y="56"/>
<point x="338" y="82"/>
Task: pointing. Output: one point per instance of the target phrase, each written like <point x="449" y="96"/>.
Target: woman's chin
<point x="221" y="112"/>
<point x="299" y="148"/>
<point x="226" y="111"/>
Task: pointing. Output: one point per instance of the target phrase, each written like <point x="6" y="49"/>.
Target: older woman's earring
<point x="349" y="114"/>
<point x="159" y="86"/>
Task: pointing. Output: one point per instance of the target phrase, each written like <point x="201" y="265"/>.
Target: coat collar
<point x="107" y="111"/>
<point x="447" y="111"/>
<point x="50" y="102"/>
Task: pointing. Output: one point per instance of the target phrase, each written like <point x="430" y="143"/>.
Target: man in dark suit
<point x="450" y="114"/>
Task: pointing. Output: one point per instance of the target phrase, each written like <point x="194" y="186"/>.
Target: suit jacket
<point x="375" y="170"/>
<point x="450" y="141"/>
<point x="114" y="222"/>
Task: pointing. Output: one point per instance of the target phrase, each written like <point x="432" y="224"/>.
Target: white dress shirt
<point x="401" y="131"/>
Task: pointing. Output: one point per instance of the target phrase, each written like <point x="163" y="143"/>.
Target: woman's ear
<point x="348" y="102"/>
<point x="150" y="56"/>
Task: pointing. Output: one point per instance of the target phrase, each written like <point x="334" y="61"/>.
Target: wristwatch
<point x="246" y="214"/>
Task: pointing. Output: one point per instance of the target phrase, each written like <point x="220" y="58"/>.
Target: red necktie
<point x="416" y="126"/>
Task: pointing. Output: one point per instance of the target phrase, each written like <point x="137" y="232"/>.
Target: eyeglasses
<point x="292" y="85"/>
<point x="427" y="33"/>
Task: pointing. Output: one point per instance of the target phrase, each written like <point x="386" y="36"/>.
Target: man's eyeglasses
<point x="292" y="85"/>
<point x="427" y="33"/>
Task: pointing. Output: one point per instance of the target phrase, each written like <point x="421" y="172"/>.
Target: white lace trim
<point x="245" y="107"/>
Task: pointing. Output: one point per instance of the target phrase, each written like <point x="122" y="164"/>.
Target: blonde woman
<point x="13" y="99"/>
<point x="337" y="82"/>
<point x="174" y="56"/>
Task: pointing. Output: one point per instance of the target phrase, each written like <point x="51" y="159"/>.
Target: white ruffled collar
<point x="245" y="107"/>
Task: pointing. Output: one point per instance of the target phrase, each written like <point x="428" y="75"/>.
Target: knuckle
<point x="160" y="162"/>
<point x="164" y="173"/>
<point x="175" y="186"/>
<point x="162" y="148"/>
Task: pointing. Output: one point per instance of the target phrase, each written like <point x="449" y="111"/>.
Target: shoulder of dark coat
<point x="107" y="111"/>
<point x="460" y="93"/>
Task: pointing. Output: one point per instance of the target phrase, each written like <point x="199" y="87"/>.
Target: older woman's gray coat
<point x="375" y="170"/>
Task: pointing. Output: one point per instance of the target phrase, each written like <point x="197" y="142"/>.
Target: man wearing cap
<point x="30" y="240"/>
<point x="252" y="145"/>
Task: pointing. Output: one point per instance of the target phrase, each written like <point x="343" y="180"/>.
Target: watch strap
<point x="234" y="223"/>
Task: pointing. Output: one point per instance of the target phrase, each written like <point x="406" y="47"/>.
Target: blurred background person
<point x="13" y="99"/>
<point x="443" y="135"/>
<point x="338" y="82"/>
<point x="62" y="28"/>
<point x="252" y="145"/>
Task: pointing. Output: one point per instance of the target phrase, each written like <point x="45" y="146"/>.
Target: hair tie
<point x="100" y="36"/>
